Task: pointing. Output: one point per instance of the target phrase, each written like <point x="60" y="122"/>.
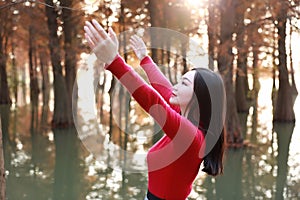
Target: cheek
<point x="186" y="96"/>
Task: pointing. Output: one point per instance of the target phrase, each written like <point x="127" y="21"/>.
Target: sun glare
<point x="194" y="3"/>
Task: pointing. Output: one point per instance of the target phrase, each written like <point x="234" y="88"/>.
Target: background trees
<point x="244" y="40"/>
<point x="6" y="28"/>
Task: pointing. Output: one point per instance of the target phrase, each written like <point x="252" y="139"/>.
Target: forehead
<point x="189" y="75"/>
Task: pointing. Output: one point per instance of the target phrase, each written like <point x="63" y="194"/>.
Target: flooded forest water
<point x="42" y="163"/>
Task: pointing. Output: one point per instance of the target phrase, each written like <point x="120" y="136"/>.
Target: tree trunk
<point x="4" y="91"/>
<point x="183" y="54"/>
<point x="5" y="34"/>
<point x="292" y="72"/>
<point x="69" y="28"/>
<point x="284" y="106"/>
<point x="211" y="32"/>
<point x="168" y="43"/>
<point x="45" y="78"/>
<point x="241" y="89"/>
<point x="45" y="89"/>
<point x="34" y="89"/>
<point x="225" y="65"/>
<point x="155" y="20"/>
<point x="256" y="84"/>
<point x="274" y="70"/>
<point x="15" y="74"/>
<point x="61" y="115"/>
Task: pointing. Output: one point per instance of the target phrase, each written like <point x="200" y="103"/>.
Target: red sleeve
<point x="151" y="101"/>
<point x="158" y="80"/>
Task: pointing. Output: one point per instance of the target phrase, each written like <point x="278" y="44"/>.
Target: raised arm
<point x="174" y="125"/>
<point x="156" y="78"/>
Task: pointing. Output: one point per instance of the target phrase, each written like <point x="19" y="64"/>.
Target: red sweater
<point x="173" y="162"/>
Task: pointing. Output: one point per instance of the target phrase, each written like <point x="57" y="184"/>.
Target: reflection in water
<point x="229" y="186"/>
<point x="67" y="175"/>
<point x="54" y="164"/>
<point x="284" y="134"/>
<point x="7" y="142"/>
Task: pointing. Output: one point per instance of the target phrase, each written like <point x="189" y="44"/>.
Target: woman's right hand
<point x="104" y="45"/>
<point x="138" y="46"/>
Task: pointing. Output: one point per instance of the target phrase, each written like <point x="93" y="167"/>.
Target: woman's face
<point x="183" y="91"/>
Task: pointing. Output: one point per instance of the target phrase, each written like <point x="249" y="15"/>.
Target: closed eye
<point x="186" y="81"/>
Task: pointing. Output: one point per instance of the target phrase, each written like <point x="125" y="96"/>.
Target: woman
<point x="184" y="112"/>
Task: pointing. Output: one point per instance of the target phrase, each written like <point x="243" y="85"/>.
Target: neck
<point x="184" y="111"/>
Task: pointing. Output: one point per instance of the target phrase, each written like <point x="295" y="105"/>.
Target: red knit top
<point x="174" y="161"/>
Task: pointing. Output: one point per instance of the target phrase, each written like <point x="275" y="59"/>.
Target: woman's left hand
<point x="138" y="46"/>
<point x="104" y="45"/>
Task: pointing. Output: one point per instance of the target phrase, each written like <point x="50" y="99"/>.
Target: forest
<point x="42" y="46"/>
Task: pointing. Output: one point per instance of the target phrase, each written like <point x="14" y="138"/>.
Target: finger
<point x="90" y="34"/>
<point x="140" y="40"/>
<point x="95" y="33"/>
<point x="135" y="38"/>
<point x="139" y="43"/>
<point x="133" y="47"/>
<point x="113" y="35"/>
<point x="132" y="42"/>
<point x="100" y="29"/>
<point x="89" y="40"/>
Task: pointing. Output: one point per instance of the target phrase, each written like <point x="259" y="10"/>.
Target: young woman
<point x="185" y="112"/>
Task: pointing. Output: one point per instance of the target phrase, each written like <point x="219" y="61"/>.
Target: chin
<point x="173" y="102"/>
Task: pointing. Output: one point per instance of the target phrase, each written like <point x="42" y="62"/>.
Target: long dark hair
<point x="207" y="112"/>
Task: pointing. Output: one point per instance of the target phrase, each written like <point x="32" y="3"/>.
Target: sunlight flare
<point x="193" y="3"/>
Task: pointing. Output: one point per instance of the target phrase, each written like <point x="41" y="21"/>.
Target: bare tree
<point x="284" y="111"/>
<point x="5" y="30"/>
<point x="241" y="86"/>
<point x="62" y="113"/>
<point x="70" y="30"/>
<point x="212" y="32"/>
<point x="225" y="65"/>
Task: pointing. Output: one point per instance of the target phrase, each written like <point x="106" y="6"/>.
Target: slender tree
<point x="34" y="88"/>
<point x="292" y="72"/>
<point x="155" y="12"/>
<point x="5" y="30"/>
<point x="212" y="32"/>
<point x="284" y="106"/>
<point x="241" y="86"/>
<point x="61" y="115"/>
<point x="70" y="31"/>
<point x="45" y="86"/>
<point x="225" y="65"/>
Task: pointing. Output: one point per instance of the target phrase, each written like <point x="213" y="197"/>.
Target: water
<point x="54" y="164"/>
